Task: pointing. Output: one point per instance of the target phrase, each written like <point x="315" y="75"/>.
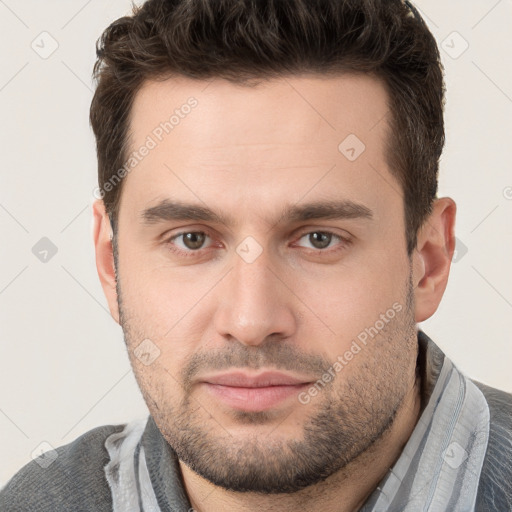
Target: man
<point x="268" y="236"/>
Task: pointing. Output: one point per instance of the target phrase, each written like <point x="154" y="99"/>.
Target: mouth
<point x="253" y="393"/>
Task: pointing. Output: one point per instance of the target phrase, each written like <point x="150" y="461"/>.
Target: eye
<point x="190" y="240"/>
<point x="193" y="243"/>
<point x="321" y="240"/>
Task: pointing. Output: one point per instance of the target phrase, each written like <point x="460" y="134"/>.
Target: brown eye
<point x="193" y="240"/>
<point x="320" y="240"/>
<point x="188" y="241"/>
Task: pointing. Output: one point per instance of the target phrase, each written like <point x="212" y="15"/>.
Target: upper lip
<point x="241" y="379"/>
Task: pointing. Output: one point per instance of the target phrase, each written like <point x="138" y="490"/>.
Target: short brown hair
<point x="243" y="40"/>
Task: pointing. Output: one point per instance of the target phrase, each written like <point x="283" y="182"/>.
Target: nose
<point x="255" y="303"/>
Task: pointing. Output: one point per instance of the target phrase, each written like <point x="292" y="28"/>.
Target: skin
<point x="247" y="153"/>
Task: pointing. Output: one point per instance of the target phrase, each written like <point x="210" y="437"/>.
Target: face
<point x="261" y="250"/>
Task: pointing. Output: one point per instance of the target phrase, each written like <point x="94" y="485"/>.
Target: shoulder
<point x="495" y="488"/>
<point x="72" y="478"/>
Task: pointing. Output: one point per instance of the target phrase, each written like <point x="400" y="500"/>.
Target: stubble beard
<point x="348" y="418"/>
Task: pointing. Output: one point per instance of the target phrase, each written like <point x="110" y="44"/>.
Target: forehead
<point x="321" y="103"/>
<point x="276" y="141"/>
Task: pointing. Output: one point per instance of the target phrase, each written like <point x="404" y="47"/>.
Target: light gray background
<point x="63" y="366"/>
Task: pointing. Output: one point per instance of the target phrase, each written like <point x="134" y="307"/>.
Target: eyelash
<point x="345" y="241"/>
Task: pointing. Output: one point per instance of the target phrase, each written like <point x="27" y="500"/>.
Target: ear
<point x="102" y="234"/>
<point x="432" y="258"/>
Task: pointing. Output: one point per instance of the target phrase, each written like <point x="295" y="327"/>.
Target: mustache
<point x="276" y="355"/>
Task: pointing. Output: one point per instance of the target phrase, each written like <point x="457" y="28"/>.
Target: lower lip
<point x="254" y="399"/>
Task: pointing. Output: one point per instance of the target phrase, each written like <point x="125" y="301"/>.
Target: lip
<point x="244" y="380"/>
<point x="252" y="393"/>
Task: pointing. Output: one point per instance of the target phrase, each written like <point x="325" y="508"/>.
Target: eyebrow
<point x="169" y="210"/>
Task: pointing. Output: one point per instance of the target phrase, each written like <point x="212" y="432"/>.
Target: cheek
<point x="164" y="308"/>
<point x="353" y="297"/>
<point x="159" y="387"/>
<point x="158" y="296"/>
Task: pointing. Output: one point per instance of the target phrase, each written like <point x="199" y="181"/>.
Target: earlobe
<point x="102" y="235"/>
<point x="432" y="258"/>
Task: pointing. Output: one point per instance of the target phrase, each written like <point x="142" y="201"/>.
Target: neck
<point x="345" y="491"/>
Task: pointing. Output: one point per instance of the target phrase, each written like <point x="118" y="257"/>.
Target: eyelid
<point x="343" y="239"/>
<point x="176" y="235"/>
<point x="170" y="240"/>
<point x="329" y="230"/>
